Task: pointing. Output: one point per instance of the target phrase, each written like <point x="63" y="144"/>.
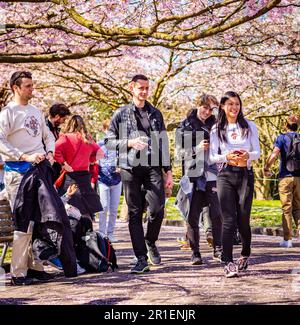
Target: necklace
<point x="234" y="132"/>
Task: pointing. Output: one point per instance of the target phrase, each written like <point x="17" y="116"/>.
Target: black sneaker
<point x="242" y="263"/>
<point x="231" y="270"/>
<point x="40" y="275"/>
<point x="153" y="254"/>
<point x="218" y="256"/>
<point x="196" y="259"/>
<point x="21" y="281"/>
<point x="141" y="266"/>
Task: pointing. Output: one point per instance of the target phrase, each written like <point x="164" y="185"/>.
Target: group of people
<point x="57" y="171"/>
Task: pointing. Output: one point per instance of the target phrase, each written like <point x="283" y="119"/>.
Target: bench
<point x="6" y="228"/>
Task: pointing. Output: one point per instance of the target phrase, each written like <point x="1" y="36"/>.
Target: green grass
<point x="7" y="256"/>
<point x="266" y="213"/>
<point x="263" y="214"/>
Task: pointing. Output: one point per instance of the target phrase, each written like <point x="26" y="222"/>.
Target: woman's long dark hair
<point x="222" y="119"/>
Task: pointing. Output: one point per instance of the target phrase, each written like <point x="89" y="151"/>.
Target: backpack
<point x="293" y="153"/>
<point x="96" y="253"/>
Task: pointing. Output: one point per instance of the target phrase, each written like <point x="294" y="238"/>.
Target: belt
<point x="234" y="168"/>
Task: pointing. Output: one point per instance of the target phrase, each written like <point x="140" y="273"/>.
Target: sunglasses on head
<point x="22" y="74"/>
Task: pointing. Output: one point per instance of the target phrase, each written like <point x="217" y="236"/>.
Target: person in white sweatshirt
<point x="234" y="145"/>
<point x="24" y="139"/>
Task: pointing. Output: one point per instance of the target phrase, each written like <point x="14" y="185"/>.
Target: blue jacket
<point x="107" y="170"/>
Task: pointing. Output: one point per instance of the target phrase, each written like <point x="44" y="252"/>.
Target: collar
<point x="149" y="108"/>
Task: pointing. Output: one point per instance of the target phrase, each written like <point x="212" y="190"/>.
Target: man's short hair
<point x="59" y="109"/>
<point x="206" y="100"/>
<point x="16" y="78"/>
<point x="139" y="77"/>
<point x="293" y="122"/>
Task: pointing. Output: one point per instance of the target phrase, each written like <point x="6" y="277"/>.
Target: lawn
<point x="264" y="213"/>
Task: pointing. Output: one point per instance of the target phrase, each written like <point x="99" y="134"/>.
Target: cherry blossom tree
<point x="55" y="30"/>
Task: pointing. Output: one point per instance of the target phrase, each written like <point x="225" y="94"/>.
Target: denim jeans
<point x="234" y="210"/>
<point x="110" y="199"/>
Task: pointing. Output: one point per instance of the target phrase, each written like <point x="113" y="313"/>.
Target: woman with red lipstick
<point x="234" y="144"/>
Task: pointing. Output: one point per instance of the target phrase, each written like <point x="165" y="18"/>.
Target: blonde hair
<point x="76" y="125"/>
<point x="105" y="124"/>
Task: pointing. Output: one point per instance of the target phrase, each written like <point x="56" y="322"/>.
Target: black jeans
<point x="235" y="190"/>
<point x="200" y="200"/>
<point x="152" y="181"/>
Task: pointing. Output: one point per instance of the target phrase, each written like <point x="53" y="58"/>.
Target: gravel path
<point x="273" y="278"/>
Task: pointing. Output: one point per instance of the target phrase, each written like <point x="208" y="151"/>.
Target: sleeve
<point x="254" y="154"/>
<point x="165" y="151"/>
<point x="48" y="137"/>
<point x="186" y="153"/>
<point x="112" y="139"/>
<point x="5" y="147"/>
<point x="94" y="170"/>
<point x="214" y="155"/>
<point x="95" y="148"/>
<point x="60" y="149"/>
<point x="279" y="142"/>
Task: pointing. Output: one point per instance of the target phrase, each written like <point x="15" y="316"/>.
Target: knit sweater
<point x="23" y="131"/>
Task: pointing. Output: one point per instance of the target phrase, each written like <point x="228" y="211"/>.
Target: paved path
<point x="271" y="278"/>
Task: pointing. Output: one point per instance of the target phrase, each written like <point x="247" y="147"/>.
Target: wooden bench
<point x="6" y="228"/>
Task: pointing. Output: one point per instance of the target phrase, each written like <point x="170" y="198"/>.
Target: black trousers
<point x="151" y="179"/>
<point x="235" y="190"/>
<point x="201" y="199"/>
<point x="85" y="198"/>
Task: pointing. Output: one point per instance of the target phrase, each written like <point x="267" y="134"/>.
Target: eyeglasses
<point x="18" y="75"/>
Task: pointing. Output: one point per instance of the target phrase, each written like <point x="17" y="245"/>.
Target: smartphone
<point x="238" y="152"/>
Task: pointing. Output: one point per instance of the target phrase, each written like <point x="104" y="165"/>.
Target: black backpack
<point x="96" y="253"/>
<point x="293" y="153"/>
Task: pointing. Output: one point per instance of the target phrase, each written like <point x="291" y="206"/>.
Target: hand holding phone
<point x="238" y="152"/>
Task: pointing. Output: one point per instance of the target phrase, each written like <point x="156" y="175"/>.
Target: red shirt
<point x="94" y="171"/>
<point x="70" y="144"/>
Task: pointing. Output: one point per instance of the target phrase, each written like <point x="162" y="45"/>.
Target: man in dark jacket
<point x="137" y="132"/>
<point x="58" y="114"/>
<point x="193" y="139"/>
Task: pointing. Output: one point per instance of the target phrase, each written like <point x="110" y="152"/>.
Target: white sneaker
<point x="112" y="238"/>
<point x="134" y="260"/>
<point x="231" y="270"/>
<point x="80" y="270"/>
<point x="286" y="243"/>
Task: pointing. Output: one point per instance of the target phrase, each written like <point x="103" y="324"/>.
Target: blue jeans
<point x="110" y="199"/>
